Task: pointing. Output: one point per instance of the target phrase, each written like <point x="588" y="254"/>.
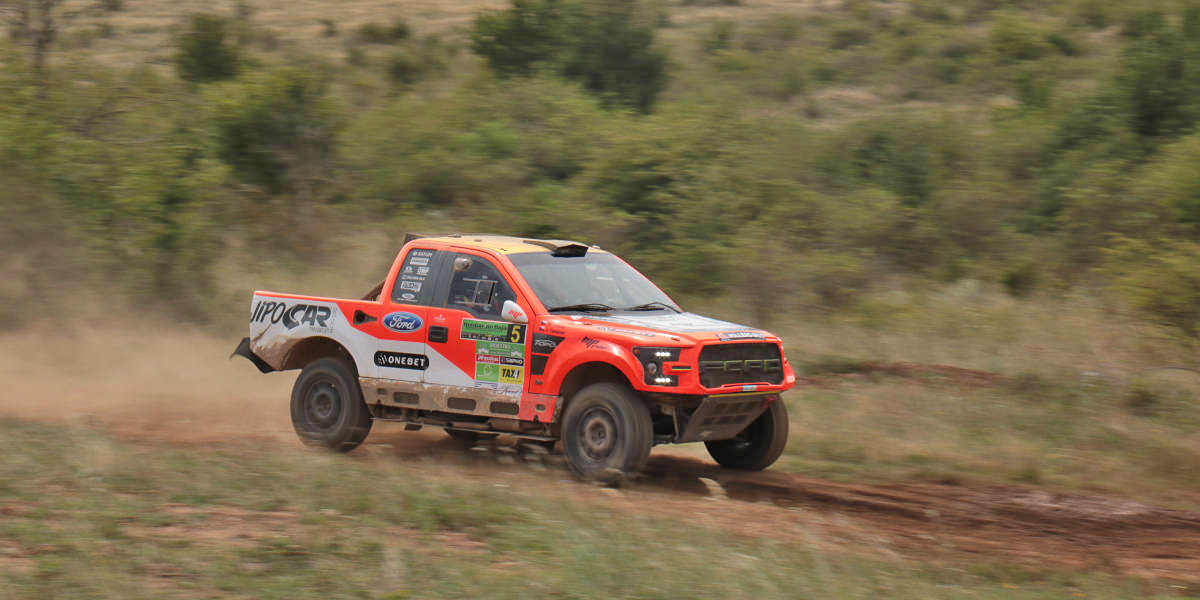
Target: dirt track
<point x="180" y="389"/>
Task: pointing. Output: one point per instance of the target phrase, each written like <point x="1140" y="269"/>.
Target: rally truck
<point x="546" y="340"/>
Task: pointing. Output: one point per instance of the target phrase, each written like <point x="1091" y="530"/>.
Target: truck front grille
<point x="723" y="364"/>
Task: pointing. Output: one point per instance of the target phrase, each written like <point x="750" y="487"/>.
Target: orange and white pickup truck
<point x="548" y="340"/>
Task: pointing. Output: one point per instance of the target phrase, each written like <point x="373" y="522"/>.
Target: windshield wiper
<point x="653" y="306"/>
<point x="586" y="307"/>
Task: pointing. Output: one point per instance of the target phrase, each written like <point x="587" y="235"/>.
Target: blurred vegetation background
<point x="789" y="157"/>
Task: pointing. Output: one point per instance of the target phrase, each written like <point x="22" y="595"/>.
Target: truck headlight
<point x="652" y="359"/>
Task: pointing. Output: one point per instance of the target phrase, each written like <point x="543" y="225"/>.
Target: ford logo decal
<point x="402" y="321"/>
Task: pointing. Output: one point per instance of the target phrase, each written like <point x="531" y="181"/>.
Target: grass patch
<point x="275" y="524"/>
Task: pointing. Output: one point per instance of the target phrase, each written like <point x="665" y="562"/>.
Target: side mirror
<point x="513" y="313"/>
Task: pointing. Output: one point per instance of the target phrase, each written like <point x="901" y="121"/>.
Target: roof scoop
<point x="560" y="248"/>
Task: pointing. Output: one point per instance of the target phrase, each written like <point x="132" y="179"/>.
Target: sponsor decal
<point x="492" y="331"/>
<point x="418" y="261"/>
<point x="590" y="342"/>
<point x="402" y="322"/>
<point x="741" y="335"/>
<point x="402" y="360"/>
<point x="545" y="344"/>
<point x="408" y="296"/>
<point x="487" y="372"/>
<point x="512" y="375"/>
<point x="291" y="316"/>
<point x="499" y="354"/>
<point x="422" y="271"/>
<point x="414" y="286"/>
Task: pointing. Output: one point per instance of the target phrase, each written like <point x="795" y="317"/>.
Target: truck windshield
<point x="595" y="282"/>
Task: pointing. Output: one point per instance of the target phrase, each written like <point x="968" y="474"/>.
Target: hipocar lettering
<point x="402" y="321"/>
<point x="291" y="316"/>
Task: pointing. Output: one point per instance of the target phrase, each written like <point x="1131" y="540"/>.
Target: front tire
<point x="607" y="432"/>
<point x="327" y="406"/>
<point x="758" y="445"/>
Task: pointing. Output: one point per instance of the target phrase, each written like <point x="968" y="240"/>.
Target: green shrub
<point x="719" y="36"/>
<point x="1143" y="23"/>
<point x="274" y="128"/>
<point x="1159" y="78"/>
<point x="204" y="51"/>
<point x="1034" y="89"/>
<point x="379" y="33"/>
<point x="835" y="279"/>
<point x="328" y="28"/>
<point x="1014" y="39"/>
<point x="1162" y="279"/>
<point x="931" y="10"/>
<point x="1172" y="180"/>
<point x="1096" y="14"/>
<point x="849" y="36"/>
<point x="1064" y="42"/>
<point x="1021" y="279"/>
<point x="604" y="46"/>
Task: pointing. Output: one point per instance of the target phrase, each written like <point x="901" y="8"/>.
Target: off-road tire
<point x="327" y="406"/>
<point x="468" y="438"/>
<point x="757" y="446"/>
<point x="607" y="432"/>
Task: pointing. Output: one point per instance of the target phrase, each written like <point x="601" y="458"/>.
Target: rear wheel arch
<point x="312" y="349"/>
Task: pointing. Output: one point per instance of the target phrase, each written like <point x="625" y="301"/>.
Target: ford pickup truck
<point x="547" y="340"/>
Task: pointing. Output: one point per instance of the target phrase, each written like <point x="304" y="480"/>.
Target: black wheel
<point x="758" y="445"/>
<point x="327" y="406"/>
<point x="607" y="432"/>
<point x="468" y="438"/>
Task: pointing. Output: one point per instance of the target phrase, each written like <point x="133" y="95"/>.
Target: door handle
<point x="361" y="317"/>
<point x="437" y="333"/>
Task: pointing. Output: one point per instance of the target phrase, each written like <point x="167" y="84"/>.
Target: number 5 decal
<point x="516" y="334"/>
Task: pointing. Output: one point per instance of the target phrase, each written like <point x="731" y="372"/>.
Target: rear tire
<point x="758" y="445"/>
<point x="607" y="432"/>
<point x="327" y="406"/>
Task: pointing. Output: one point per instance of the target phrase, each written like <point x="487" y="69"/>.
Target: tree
<point x="38" y="22"/>
<point x="606" y="46"/>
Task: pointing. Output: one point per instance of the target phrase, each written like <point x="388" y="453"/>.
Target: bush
<point x="1094" y="13"/>
<point x="718" y="37"/>
<point x="378" y="33"/>
<point x="1159" y="79"/>
<point x="1014" y="40"/>
<point x="1162" y="279"/>
<point x="849" y="36"/>
<point x="204" y="51"/>
<point x="1020" y="279"/>
<point x="274" y="128"/>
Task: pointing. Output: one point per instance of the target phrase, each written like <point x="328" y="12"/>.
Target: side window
<point x="477" y="287"/>
<point x="414" y="283"/>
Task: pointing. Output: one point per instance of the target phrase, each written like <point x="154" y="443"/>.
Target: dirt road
<point x="177" y="387"/>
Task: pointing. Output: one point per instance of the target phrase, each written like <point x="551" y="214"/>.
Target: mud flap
<point x="243" y="349"/>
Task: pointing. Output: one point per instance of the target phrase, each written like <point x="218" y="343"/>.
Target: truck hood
<point x="689" y="325"/>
